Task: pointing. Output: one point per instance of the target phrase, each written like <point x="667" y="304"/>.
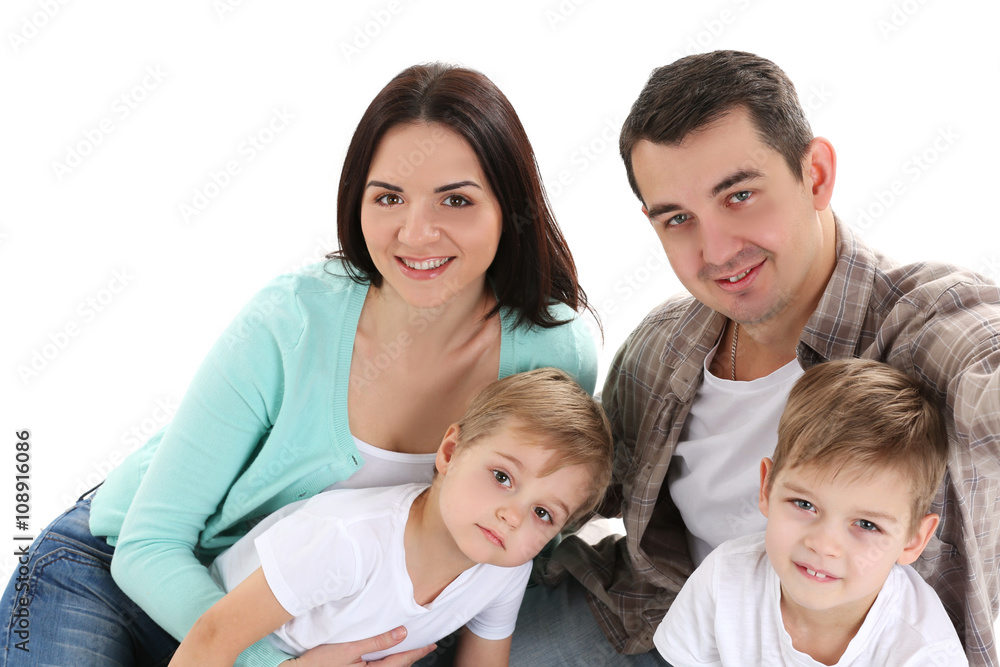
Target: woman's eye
<point x="804" y="505"/>
<point x="740" y="196"/>
<point x="501" y="477"/>
<point x="456" y="200"/>
<point x="543" y="514"/>
<point x="389" y="199"/>
<point x="866" y="525"/>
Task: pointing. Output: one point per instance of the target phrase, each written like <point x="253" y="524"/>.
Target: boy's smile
<point x="833" y="540"/>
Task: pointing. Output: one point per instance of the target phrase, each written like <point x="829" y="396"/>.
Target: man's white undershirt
<point x="714" y="478"/>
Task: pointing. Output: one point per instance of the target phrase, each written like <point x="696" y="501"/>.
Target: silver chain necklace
<point x="732" y="352"/>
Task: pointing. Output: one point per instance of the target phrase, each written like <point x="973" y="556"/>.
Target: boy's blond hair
<point x="864" y="417"/>
<point x="554" y="412"/>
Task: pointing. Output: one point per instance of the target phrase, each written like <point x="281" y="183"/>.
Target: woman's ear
<point x="446" y="452"/>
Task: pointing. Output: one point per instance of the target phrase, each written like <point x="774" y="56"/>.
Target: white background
<point x="116" y="297"/>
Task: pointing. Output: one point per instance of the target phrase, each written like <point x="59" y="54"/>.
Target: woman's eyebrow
<point x="383" y="184"/>
<point x="456" y="186"/>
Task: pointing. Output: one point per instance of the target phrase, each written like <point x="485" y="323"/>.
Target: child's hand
<point x="349" y="653"/>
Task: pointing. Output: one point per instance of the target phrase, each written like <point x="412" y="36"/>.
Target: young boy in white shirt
<point x="531" y="455"/>
<point x="861" y="453"/>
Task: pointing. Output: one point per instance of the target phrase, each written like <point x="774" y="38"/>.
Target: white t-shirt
<point x="714" y="477"/>
<point x="336" y="562"/>
<point x="729" y="613"/>
<point x="387" y="468"/>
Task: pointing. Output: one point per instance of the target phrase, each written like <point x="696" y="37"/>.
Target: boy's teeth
<point x="739" y="277"/>
<point x="425" y="265"/>
<point x="815" y="574"/>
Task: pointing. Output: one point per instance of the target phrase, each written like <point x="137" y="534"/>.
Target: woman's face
<point x="430" y="220"/>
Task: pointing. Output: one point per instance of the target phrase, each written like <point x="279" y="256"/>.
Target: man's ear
<point x="765" y="470"/>
<point x="820" y="167"/>
<point x="446" y="451"/>
<point x="928" y="524"/>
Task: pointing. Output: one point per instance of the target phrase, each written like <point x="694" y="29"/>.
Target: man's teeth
<point x="739" y="277"/>
<point x="816" y="574"/>
<point x="425" y="265"/>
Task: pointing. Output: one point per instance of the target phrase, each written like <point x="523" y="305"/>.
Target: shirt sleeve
<point x="497" y="620"/>
<point x="309" y="560"/>
<point x="686" y="636"/>
<point x="230" y="405"/>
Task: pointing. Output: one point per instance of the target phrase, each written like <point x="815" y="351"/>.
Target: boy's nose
<point x="510" y="515"/>
<point x="824" y="540"/>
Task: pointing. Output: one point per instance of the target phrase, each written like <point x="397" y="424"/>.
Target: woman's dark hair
<point x="533" y="266"/>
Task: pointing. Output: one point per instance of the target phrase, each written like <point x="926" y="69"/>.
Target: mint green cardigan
<point x="264" y="423"/>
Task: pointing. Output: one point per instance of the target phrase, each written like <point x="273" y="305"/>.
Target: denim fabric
<point x="556" y="627"/>
<point x="77" y="615"/>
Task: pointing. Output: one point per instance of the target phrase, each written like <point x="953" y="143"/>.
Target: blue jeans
<point x="74" y="612"/>
<point x="554" y="627"/>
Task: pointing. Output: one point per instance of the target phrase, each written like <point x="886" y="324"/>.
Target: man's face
<point x="741" y="232"/>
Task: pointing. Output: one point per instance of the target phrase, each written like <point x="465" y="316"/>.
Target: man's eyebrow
<point x="660" y="209"/>
<point x="384" y="185"/>
<point x="456" y="186"/>
<point x="734" y="178"/>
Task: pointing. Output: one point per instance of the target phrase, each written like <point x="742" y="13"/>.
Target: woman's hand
<point x="349" y="653"/>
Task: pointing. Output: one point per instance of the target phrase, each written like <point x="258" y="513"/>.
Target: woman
<point x="452" y="272"/>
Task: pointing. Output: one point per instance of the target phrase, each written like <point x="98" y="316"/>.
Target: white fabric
<point x="336" y="562"/>
<point x="714" y="477"/>
<point x="387" y="468"/>
<point x="728" y="613"/>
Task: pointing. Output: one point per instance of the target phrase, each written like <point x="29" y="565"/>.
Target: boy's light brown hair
<point x="864" y="417"/>
<point x="551" y="410"/>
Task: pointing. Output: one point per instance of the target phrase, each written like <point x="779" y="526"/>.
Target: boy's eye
<point x="543" y="514"/>
<point x="867" y="525"/>
<point x="804" y="505"/>
<point x="501" y="477"/>
<point x="389" y="199"/>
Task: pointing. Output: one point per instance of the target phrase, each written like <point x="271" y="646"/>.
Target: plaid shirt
<point x="935" y="322"/>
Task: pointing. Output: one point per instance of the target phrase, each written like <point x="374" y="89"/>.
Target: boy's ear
<point x="765" y="470"/>
<point x="446" y="452"/>
<point x="928" y="524"/>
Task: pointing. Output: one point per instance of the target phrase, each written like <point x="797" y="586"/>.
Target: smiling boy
<point x="861" y="452"/>
<point x="531" y="454"/>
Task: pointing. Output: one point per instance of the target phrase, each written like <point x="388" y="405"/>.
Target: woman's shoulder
<point x="570" y="346"/>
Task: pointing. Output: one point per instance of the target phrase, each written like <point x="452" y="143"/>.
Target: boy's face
<point x="495" y="501"/>
<point x="832" y="541"/>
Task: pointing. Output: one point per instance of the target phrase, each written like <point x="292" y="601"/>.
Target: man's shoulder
<point x="663" y="320"/>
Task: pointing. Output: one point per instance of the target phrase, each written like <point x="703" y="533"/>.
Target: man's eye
<point x="389" y="199"/>
<point x="740" y="196"/>
<point x="543" y="514"/>
<point x="456" y="200"/>
<point x="677" y="219"/>
<point x="501" y="477"/>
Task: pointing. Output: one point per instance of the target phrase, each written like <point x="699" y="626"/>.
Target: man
<point x="738" y="190"/>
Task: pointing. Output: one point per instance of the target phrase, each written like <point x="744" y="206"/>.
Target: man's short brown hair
<point x="864" y="417"/>
<point x="549" y="407"/>
<point x="691" y="93"/>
